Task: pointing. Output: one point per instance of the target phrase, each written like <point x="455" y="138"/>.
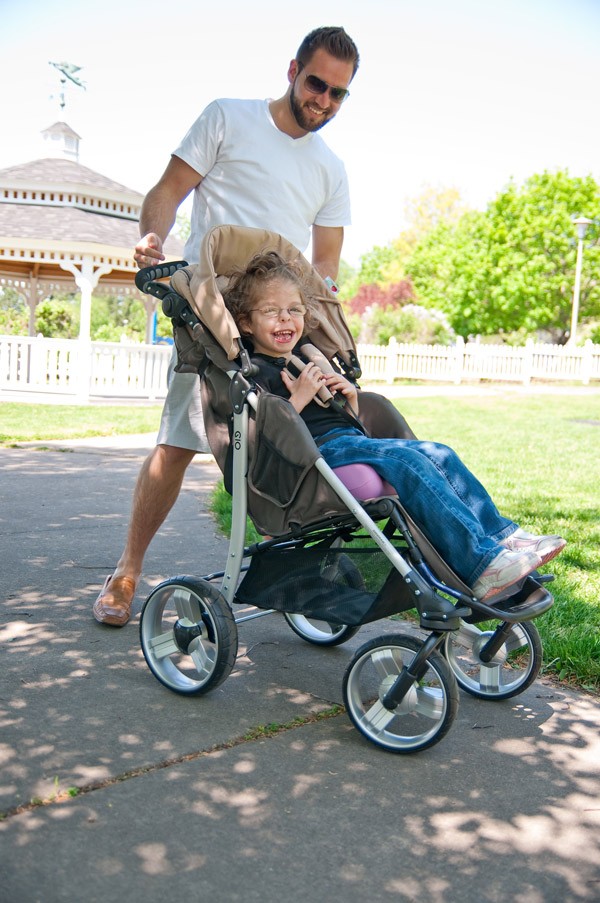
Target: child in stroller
<point x="488" y="551"/>
<point x="325" y="563"/>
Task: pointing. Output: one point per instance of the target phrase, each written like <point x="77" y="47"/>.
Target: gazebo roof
<point x="30" y="221"/>
<point x="55" y="210"/>
<point x="52" y="170"/>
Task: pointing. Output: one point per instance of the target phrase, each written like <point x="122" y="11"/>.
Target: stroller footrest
<point x="513" y="610"/>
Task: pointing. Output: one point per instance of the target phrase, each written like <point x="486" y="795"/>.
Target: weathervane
<point x="67" y="71"/>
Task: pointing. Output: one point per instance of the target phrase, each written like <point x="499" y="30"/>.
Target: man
<point x="249" y="163"/>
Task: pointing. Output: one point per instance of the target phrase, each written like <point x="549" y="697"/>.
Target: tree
<point x="55" y="319"/>
<point x="385" y="265"/>
<point x="114" y="316"/>
<point x="431" y="208"/>
<point x="14" y="313"/>
<point x="346" y="275"/>
<point x="370" y="299"/>
<point x="371" y="295"/>
<point x="511" y="269"/>
<point x="448" y="268"/>
<point x="183" y="226"/>
<point x="411" y="323"/>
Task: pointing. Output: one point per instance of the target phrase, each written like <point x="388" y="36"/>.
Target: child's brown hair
<point x="243" y="292"/>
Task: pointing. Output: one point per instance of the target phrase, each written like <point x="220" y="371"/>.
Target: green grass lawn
<point x="32" y="422"/>
<point x="539" y="456"/>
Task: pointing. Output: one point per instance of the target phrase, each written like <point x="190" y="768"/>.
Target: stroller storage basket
<point x="340" y="585"/>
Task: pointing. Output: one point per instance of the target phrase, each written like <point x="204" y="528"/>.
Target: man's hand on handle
<point x="148" y="251"/>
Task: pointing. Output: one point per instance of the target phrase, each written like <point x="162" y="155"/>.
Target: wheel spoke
<point x="202" y="655"/>
<point x="516" y="639"/>
<point x="186" y="605"/>
<point x="385" y="662"/>
<point x="465" y="635"/>
<point x="430" y="702"/>
<point x="377" y="717"/>
<point x="163" y="645"/>
<point x="490" y="678"/>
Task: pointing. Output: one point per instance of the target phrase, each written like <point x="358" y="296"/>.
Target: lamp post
<point x="581" y="224"/>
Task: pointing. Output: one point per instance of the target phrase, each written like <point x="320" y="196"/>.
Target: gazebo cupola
<point x="59" y="140"/>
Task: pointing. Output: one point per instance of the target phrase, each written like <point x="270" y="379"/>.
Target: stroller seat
<point x="339" y="549"/>
<point x="363" y="482"/>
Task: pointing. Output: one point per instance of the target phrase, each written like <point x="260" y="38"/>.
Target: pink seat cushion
<point x="363" y="482"/>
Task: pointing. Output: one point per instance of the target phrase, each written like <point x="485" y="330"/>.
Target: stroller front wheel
<point x="427" y="710"/>
<point x="188" y="635"/>
<point x="510" y="670"/>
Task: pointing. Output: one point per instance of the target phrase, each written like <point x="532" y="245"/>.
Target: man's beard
<point x="309" y="125"/>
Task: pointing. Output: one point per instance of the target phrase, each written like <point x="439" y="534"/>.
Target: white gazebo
<point x="62" y="223"/>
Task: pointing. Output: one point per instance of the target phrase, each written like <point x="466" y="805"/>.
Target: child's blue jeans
<point x="439" y="492"/>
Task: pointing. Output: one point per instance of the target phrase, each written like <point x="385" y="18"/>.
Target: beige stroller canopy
<point x="227" y="249"/>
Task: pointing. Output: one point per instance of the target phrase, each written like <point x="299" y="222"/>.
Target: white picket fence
<point x="81" y="371"/>
<point x="474" y="361"/>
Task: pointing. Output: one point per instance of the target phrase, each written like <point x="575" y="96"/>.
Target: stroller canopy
<point x="227" y="249"/>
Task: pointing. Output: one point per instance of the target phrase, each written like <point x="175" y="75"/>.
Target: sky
<point x="464" y="94"/>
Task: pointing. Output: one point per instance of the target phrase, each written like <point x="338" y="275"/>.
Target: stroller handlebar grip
<point x="145" y="279"/>
<point x="173" y="305"/>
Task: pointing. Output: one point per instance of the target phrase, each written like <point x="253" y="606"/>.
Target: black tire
<point x="320" y="633"/>
<point x="327" y="633"/>
<point x="188" y="635"/>
<point x="514" y="667"/>
<point x="427" y="711"/>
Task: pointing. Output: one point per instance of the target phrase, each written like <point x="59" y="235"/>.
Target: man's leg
<point x="156" y="491"/>
<point x="181" y="434"/>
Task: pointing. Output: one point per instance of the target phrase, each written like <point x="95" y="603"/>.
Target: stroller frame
<point x="400" y="692"/>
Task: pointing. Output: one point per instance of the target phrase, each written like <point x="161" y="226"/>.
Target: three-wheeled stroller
<point x="340" y="549"/>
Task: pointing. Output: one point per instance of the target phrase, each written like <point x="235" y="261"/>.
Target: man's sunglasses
<point x="318" y="86"/>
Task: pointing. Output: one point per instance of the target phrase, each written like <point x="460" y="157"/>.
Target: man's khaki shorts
<point x="182" y="423"/>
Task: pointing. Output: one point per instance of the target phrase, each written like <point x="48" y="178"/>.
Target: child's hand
<point x="303" y="389"/>
<point x="335" y="382"/>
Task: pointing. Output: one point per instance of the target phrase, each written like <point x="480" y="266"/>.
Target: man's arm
<point x="327" y="244"/>
<point x="160" y="209"/>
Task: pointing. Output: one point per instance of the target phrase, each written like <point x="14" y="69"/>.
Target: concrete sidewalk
<point x="188" y="798"/>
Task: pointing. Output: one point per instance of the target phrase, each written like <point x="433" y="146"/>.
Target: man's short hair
<point x="334" y="41"/>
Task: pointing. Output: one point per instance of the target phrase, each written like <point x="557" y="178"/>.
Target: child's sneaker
<point x="547" y="547"/>
<point x="505" y="569"/>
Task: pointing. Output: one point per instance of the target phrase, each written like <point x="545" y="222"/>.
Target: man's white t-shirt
<point x="256" y="175"/>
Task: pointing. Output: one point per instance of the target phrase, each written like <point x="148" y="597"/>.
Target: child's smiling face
<point x="276" y="323"/>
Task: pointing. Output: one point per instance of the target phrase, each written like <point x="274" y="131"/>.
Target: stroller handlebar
<point x="173" y="305"/>
<point x="146" y="278"/>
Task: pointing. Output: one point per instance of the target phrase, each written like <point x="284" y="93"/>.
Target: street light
<point x="581" y="224"/>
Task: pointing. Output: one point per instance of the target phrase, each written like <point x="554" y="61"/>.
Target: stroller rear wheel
<point x="327" y="633"/>
<point x="514" y="665"/>
<point x="321" y="633"/>
<point x="427" y="710"/>
<point x="188" y="635"/>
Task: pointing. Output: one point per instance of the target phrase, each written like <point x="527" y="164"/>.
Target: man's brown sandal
<point x="113" y="605"/>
